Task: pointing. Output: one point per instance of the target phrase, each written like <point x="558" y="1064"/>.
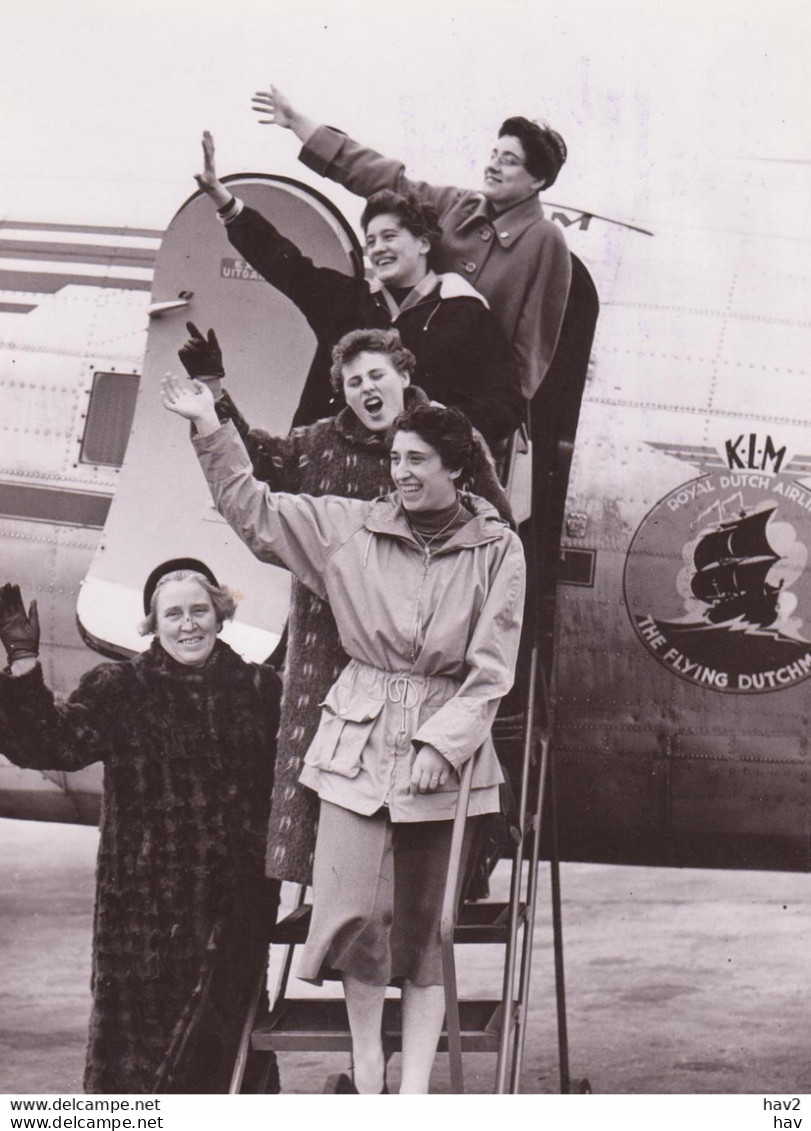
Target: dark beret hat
<point x="169" y="567"/>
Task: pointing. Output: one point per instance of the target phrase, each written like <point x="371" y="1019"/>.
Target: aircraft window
<point x="109" y="418"/>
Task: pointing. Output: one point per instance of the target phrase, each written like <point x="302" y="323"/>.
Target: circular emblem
<point x="715" y="582"/>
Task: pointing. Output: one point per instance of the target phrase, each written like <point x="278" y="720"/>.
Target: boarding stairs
<point x="523" y="741"/>
<point x="495" y="1025"/>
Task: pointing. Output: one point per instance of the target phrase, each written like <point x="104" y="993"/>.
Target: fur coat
<point x="188" y="763"/>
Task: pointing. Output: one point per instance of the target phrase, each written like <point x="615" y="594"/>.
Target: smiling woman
<point x="186" y="732"/>
<point x="425" y="482"/>
<point x="415" y="702"/>
<point x="401" y="234"/>
<point x="186" y="608"/>
<point x="496" y="238"/>
<point x="462" y="358"/>
<point x="526" y="158"/>
<point x="340" y="455"/>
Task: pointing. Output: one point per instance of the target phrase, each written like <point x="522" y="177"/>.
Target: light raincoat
<point x="433" y="637"/>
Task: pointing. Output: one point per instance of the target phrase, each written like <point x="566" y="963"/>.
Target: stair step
<point x="478" y="923"/>
<point x="486" y="922"/>
<point x="306" y="1023"/>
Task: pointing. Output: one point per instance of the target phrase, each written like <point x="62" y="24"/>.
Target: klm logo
<point x="754" y="453"/>
<point x="582" y="219"/>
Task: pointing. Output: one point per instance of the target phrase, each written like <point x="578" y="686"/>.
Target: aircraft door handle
<point x="155" y="309"/>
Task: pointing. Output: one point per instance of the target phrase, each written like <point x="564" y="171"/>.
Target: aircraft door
<point x="162" y="508"/>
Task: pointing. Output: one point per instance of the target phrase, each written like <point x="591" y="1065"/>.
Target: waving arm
<point x="299" y="530"/>
<point x="276" y="109"/>
<point x="38" y="733"/>
<point x="364" y="171"/>
<point x="208" y="181"/>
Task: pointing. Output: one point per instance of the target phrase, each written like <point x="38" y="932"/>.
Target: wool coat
<point x="518" y="259"/>
<point x="463" y="358"/>
<point x="335" y="456"/>
<point x="432" y="635"/>
<point x="188" y="760"/>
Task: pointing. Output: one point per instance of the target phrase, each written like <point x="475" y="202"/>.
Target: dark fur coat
<point x="188" y="762"/>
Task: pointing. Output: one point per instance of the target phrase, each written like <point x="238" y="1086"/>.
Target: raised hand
<point x="201" y="357"/>
<point x="208" y="180"/>
<point x="278" y="110"/>
<point x="276" y="106"/>
<point x="19" y="631"/>
<point x="190" y="399"/>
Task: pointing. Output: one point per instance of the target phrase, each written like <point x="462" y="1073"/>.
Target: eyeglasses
<point x="506" y="160"/>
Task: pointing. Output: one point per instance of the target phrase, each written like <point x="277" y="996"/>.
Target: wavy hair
<point x="221" y="598"/>
<point x="387" y="342"/>
<point x="417" y="216"/>
<point x="449" y="432"/>
<point x="545" y="149"/>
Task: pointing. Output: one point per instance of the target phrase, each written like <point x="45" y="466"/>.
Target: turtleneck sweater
<point x="434" y="528"/>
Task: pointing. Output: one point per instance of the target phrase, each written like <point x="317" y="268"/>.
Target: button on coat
<point x="524" y="274"/>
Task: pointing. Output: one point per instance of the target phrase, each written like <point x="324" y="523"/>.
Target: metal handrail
<point x="244" y="1048"/>
<point x="241" y="1061"/>
<point x="447" y="925"/>
<point x="287" y="962"/>
<point x="529" y="926"/>
<point x="507" y="1018"/>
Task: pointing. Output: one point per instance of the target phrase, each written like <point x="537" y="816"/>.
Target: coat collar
<point x="509" y="226"/>
<point x="452" y="285"/>
<point x="386" y="516"/>
<point x="418" y="293"/>
<point x="220" y="665"/>
<point x="431" y="286"/>
<point x="424" y="287"/>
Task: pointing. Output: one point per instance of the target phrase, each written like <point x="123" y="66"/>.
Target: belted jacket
<point x="433" y="637"/>
<point x="518" y="260"/>
<point x="335" y="456"/>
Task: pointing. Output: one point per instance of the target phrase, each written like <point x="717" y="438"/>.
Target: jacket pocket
<point x="347" y="719"/>
<point x="487" y="769"/>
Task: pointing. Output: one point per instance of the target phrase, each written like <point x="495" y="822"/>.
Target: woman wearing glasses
<point x="497" y="237"/>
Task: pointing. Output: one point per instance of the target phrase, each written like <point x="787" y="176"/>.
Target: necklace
<point x="427" y="542"/>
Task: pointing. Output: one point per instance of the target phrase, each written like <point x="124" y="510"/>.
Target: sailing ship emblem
<point x="732" y="565"/>
<point x="716" y="584"/>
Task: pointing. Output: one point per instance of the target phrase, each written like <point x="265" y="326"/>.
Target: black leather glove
<point x="201" y="357"/>
<point x="18" y="631"/>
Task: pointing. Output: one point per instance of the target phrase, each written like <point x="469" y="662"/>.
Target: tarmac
<point x="677" y="981"/>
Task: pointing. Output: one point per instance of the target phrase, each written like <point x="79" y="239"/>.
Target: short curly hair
<point x="221" y="598"/>
<point x="386" y="342"/>
<point x="545" y="149"/>
<point x="415" y="215"/>
<point x="448" y="431"/>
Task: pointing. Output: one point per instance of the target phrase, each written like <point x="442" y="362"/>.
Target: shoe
<point x="345" y="1086"/>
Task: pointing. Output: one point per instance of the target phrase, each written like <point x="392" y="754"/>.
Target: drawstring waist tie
<point x="408" y="690"/>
